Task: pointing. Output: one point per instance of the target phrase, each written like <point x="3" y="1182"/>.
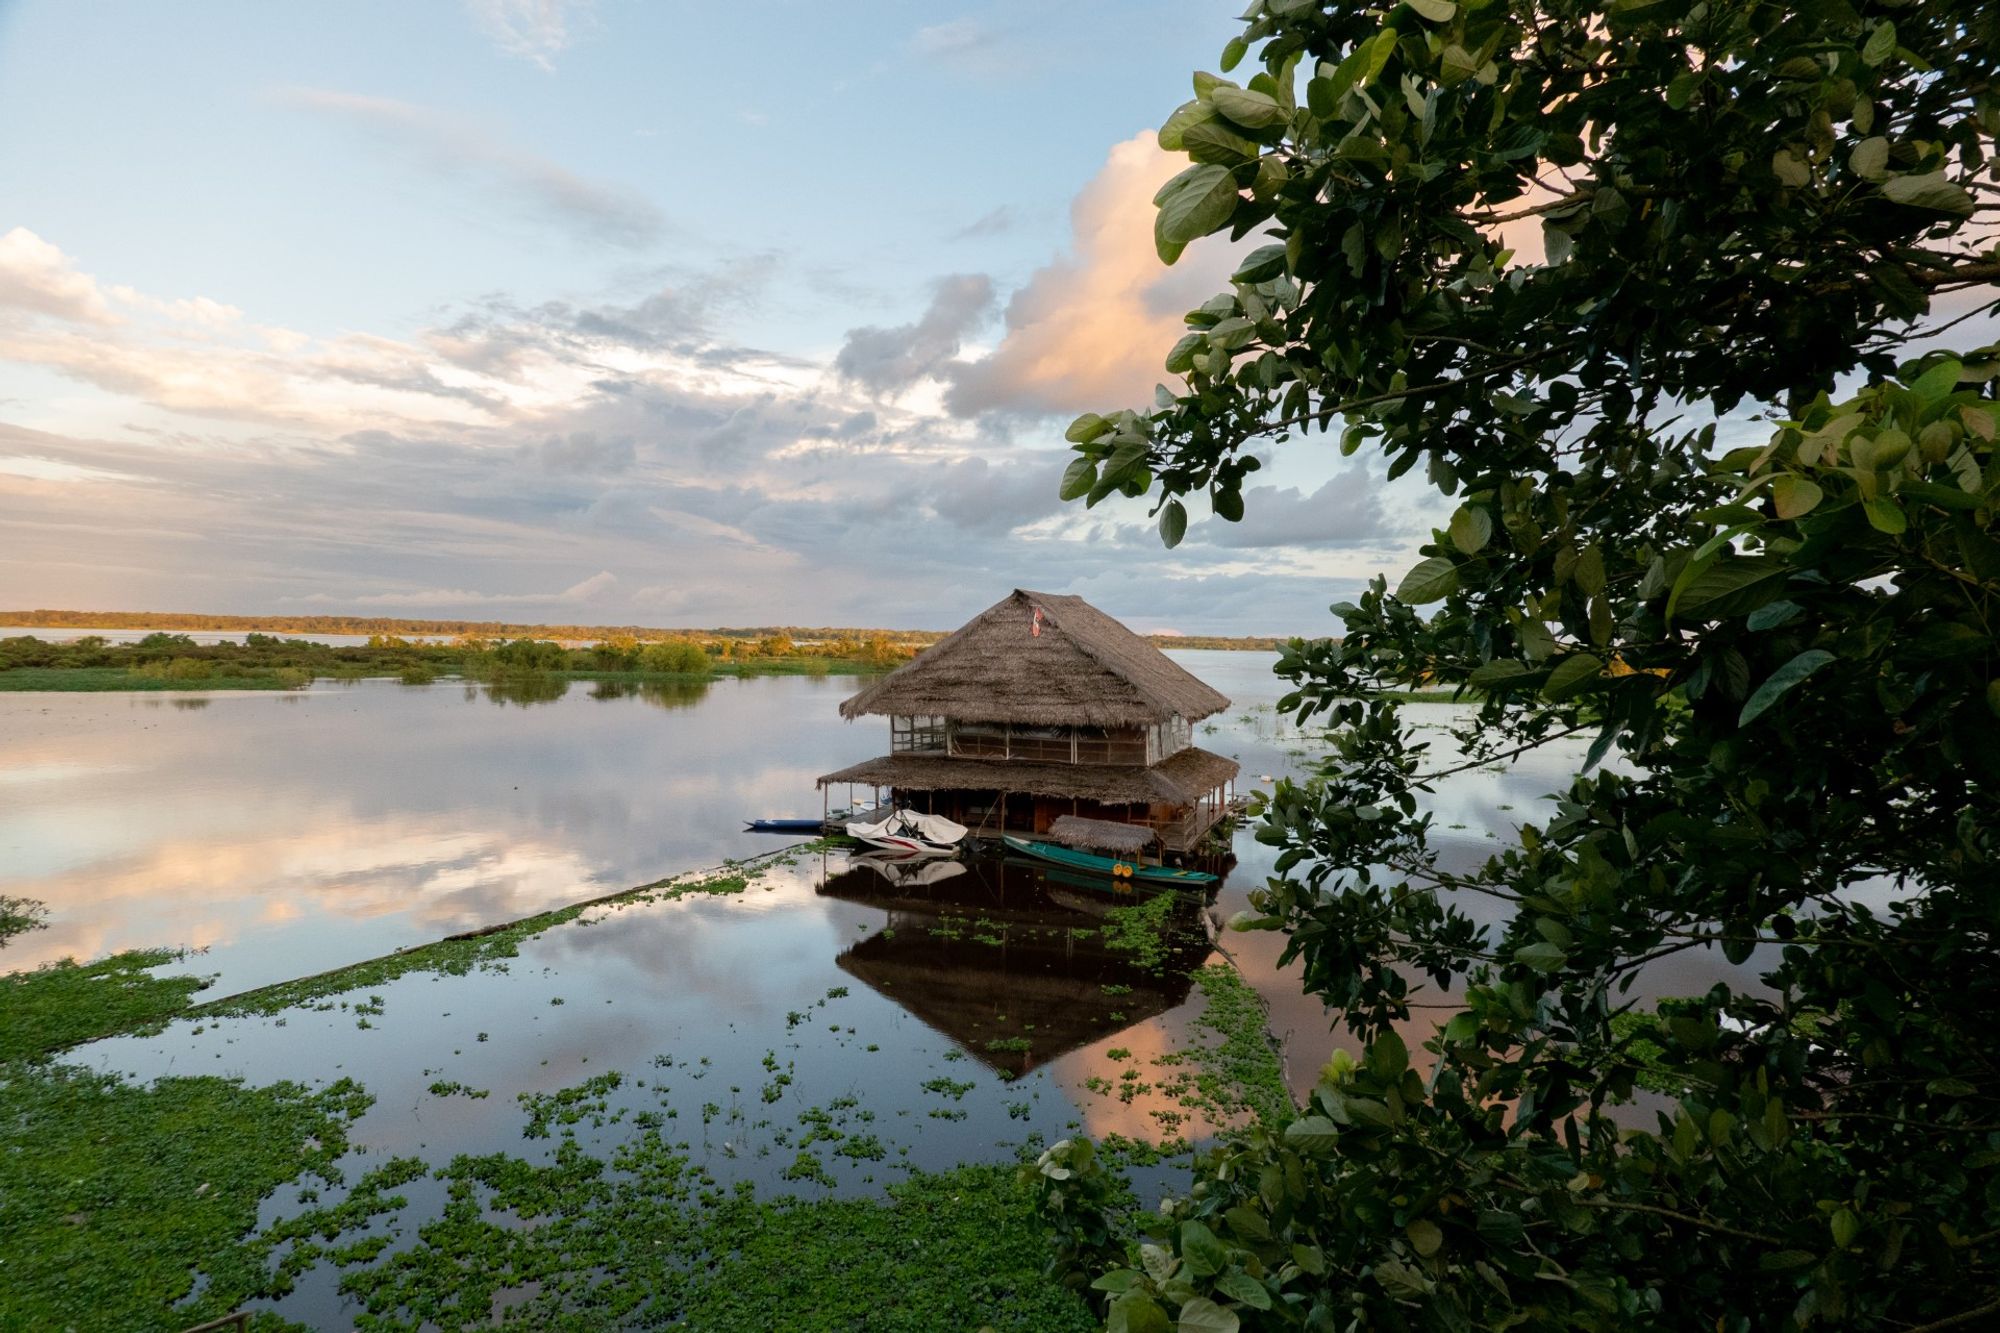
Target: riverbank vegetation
<point x="831" y="641"/>
<point x="168" y="661"/>
<point x="1557" y="259"/>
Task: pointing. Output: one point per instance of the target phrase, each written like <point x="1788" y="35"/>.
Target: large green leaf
<point x="1471" y="528"/>
<point x="1782" y="680"/>
<point x="1573" y="675"/>
<point x="1731" y="586"/>
<point x="1192" y="205"/>
<point x="1794" y="496"/>
<point x="1078" y="478"/>
<point x="1933" y="191"/>
<point x="1251" y="110"/>
<point x="1205" y="1254"/>
<point x="1173" y="523"/>
<point x="1429" y="580"/>
<point x="1202" y="1315"/>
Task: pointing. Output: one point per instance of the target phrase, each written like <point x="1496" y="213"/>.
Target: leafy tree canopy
<point x="1541" y="249"/>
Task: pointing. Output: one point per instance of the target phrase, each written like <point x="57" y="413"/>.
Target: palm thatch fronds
<point x="1082" y="669"/>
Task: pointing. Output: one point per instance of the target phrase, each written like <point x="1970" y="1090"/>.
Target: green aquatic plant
<point x="62" y="1004"/>
<point x="121" y="1198"/>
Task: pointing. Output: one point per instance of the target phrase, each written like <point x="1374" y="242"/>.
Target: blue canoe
<point x="1107" y="865"/>
<point x="783" y="826"/>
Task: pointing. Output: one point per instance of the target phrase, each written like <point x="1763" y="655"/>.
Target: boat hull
<point x="1108" y="865"/>
<point x="783" y="826"/>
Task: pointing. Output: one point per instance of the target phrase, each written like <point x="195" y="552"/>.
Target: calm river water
<point x="285" y="834"/>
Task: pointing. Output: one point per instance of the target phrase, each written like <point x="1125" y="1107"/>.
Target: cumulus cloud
<point x="451" y="148"/>
<point x="891" y="360"/>
<point x="38" y="278"/>
<point x="533" y="30"/>
<point x="1090" y="331"/>
<point x="487" y="465"/>
<point x="1346" y="511"/>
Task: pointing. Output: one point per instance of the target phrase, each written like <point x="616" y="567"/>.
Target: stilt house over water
<point x="1043" y="717"/>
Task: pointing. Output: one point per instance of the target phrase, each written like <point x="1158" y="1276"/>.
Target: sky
<point x="665" y="314"/>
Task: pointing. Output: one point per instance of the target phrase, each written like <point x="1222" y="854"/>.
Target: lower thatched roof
<point x="1101" y="834"/>
<point x="1182" y="779"/>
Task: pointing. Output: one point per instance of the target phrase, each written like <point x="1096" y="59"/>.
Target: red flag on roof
<point x="1035" y="628"/>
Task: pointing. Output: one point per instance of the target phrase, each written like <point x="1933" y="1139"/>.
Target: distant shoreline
<point x="496" y="629"/>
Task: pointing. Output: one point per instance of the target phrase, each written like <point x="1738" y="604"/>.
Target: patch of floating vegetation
<point x="122" y="1199"/>
<point x="66" y="1003"/>
<point x="646" y="1239"/>
<point x="1227" y="1073"/>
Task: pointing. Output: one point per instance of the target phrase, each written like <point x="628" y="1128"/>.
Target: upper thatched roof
<point x="1083" y="669"/>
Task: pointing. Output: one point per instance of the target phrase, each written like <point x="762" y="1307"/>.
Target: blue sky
<point x="677" y="314"/>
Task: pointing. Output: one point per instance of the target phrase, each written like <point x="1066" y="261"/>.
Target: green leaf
<point x="1242" y="1287"/>
<point x="1497" y="675"/>
<point x="1205" y="1254"/>
<point x="1870" y="159"/>
<point x="1774" y="615"/>
<point x="1543" y="956"/>
<point x="1312" y="1135"/>
<point x="1931" y="191"/>
<point x="1572" y="675"/>
<point x="1173" y="523"/>
<point x="1471" y="528"/>
<point x="1794" y="496"/>
<point x="1885" y="515"/>
<point x="1181" y="359"/>
<point x="1173" y="132"/>
<point x="1213" y="141"/>
<point x="1078" y="478"/>
<point x="1252" y="110"/>
<point x="1937" y="383"/>
<point x="1233" y="53"/>
<point x="1437" y="11"/>
<point x="1425" y="1236"/>
<point x="1202" y="1315"/>
<point x="1261" y="265"/>
<point x="1731" y="586"/>
<point x="1086" y="428"/>
<point x="1227" y="505"/>
<point x="1136" y="1312"/>
<point x="1429" y="580"/>
<point x="1191" y="205"/>
<point x="1782" y="680"/>
<point x="1881" y="44"/>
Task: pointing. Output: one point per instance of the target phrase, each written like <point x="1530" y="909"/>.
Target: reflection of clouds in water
<point x="346" y="870"/>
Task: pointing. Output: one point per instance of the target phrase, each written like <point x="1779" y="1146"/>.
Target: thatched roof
<point x="1083" y="669"/>
<point x="1101" y="834"/>
<point x="1180" y="779"/>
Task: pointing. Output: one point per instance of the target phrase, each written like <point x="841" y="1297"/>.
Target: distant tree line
<point x="824" y="640"/>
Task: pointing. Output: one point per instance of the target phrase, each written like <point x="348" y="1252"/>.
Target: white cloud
<point x="453" y="148"/>
<point x="1089" y="332"/>
<point x="39" y="278"/>
<point x="534" y="30"/>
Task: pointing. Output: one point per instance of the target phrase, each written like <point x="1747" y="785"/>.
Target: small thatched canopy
<point x="1180" y="779"/>
<point x="1101" y="835"/>
<point x="1082" y="669"/>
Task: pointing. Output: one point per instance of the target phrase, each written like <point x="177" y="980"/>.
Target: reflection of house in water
<point x="1043" y="707"/>
<point x="1009" y="961"/>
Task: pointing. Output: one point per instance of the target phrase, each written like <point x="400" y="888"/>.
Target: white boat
<point x="907" y="831"/>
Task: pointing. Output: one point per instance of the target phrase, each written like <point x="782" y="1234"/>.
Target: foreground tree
<point x="1784" y="656"/>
